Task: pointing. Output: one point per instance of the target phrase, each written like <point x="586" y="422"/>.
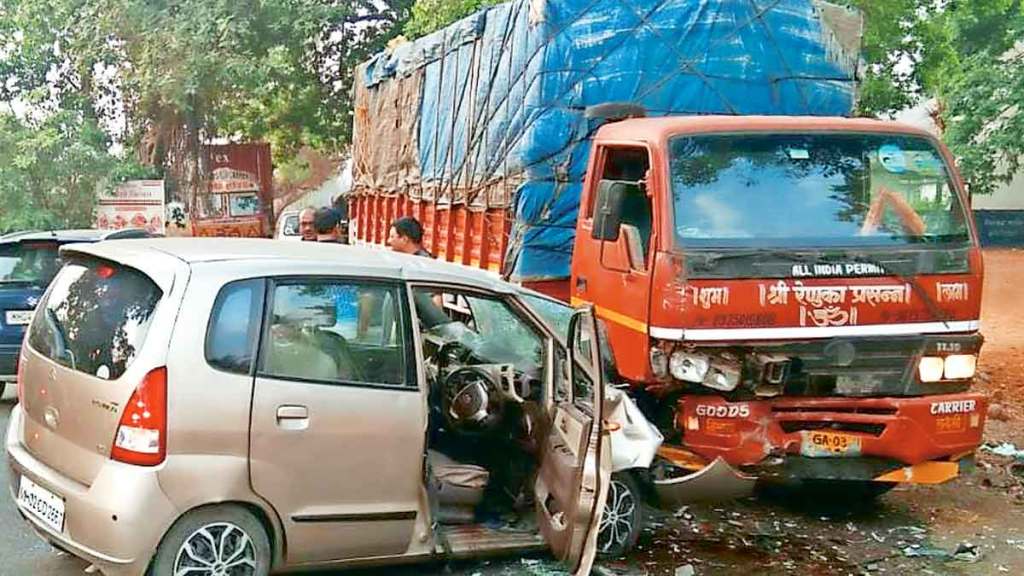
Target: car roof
<point x="263" y="253"/>
<point x="73" y="235"/>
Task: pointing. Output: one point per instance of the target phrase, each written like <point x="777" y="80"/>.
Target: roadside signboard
<point x="133" y="204"/>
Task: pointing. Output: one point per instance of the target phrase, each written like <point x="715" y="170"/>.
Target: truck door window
<point x="631" y="165"/>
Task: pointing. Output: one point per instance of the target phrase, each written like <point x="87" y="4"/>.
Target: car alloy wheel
<point x="622" y="518"/>
<point x="218" y="549"/>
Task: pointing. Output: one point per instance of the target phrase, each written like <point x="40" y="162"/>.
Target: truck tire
<point x="623" y="517"/>
<point x="241" y="545"/>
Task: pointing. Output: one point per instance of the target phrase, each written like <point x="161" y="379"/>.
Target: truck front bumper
<point x="920" y="439"/>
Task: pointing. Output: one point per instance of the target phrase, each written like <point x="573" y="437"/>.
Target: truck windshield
<point x="810" y="190"/>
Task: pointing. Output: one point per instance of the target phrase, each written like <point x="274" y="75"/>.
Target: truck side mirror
<point x="608" y="208"/>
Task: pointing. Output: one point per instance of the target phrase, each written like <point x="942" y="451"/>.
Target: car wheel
<point x="217" y="541"/>
<point x="623" y="517"/>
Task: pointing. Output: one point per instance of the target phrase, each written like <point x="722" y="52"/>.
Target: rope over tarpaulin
<point x="490" y="110"/>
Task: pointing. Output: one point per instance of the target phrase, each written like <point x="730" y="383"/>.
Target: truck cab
<point x="797" y="295"/>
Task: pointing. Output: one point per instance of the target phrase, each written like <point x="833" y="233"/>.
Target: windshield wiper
<point x="62" y="342"/>
<point x="712" y="259"/>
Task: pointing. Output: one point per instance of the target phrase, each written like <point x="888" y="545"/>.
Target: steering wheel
<point x="471" y="400"/>
<point x="452" y="354"/>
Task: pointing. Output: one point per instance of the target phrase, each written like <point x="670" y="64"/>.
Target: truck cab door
<point x="575" y="466"/>
<point x="614" y="249"/>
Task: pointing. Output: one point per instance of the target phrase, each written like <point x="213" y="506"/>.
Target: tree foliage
<point x="967" y="55"/>
<point x="51" y="170"/>
<point x="431" y="15"/>
<point x="166" y="75"/>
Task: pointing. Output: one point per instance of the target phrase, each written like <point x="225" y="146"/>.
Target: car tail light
<point x="141" y="436"/>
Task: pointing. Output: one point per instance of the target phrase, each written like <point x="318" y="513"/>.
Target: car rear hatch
<point x="102" y="326"/>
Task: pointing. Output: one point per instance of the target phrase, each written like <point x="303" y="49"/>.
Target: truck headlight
<point x="930" y="368"/>
<point x="723" y="379"/>
<point x="960" y="366"/>
<point x="659" y="362"/>
<point x="688" y="367"/>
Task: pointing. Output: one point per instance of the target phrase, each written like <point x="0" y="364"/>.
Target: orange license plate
<point x="821" y="444"/>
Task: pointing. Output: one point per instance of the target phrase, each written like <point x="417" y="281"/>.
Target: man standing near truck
<point x="307" y="230"/>
<point x="406" y="236"/>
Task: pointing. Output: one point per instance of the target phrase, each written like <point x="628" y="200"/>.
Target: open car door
<point x="576" y="456"/>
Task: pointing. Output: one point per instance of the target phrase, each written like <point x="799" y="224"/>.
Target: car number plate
<point x="19" y="317"/>
<point x="820" y="444"/>
<point x="41" y="503"/>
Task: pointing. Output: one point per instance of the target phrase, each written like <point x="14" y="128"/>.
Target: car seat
<point x="456" y="488"/>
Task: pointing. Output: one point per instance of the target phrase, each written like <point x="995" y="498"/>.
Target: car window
<point x="95" y="317"/>
<point x="342" y="332"/>
<point x="234" y="326"/>
<point x="488" y="326"/>
<point x="31" y="263"/>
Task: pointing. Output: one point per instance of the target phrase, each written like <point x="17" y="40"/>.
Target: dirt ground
<point x="973" y="526"/>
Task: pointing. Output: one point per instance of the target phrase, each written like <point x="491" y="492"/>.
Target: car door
<point x="336" y="446"/>
<point x="576" y="459"/>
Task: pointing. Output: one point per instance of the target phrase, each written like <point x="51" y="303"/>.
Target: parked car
<point x="28" y="261"/>
<point x="272" y="406"/>
<point x="288" y="226"/>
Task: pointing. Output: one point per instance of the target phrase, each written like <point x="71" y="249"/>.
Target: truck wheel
<point x="216" y="541"/>
<point x="623" y="517"/>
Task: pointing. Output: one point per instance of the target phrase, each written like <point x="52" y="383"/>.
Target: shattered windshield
<point x="485" y="326"/>
<point x="822" y="189"/>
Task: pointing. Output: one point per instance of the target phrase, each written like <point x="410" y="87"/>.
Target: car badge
<point x="52" y="417"/>
<point x="32" y="301"/>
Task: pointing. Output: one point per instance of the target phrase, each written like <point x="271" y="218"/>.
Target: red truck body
<point x="238" y="201"/>
<point x="827" y="353"/>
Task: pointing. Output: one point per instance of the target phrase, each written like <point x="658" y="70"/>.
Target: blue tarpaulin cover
<point x="490" y="110"/>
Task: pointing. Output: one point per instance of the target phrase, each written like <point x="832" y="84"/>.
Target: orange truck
<point x="799" y="296"/>
<point x="785" y="288"/>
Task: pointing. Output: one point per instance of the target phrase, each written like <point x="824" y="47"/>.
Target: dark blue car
<point x="28" y="261"/>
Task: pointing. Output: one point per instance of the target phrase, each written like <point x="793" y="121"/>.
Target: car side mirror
<point x="611" y="195"/>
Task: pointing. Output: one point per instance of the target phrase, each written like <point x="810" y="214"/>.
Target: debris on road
<point x="686" y="570"/>
<point x="1004" y="449"/>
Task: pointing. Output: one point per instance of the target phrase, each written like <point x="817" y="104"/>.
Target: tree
<point x="51" y="170"/>
<point x="431" y="15"/>
<point x="168" y="75"/>
<point x="966" y="56"/>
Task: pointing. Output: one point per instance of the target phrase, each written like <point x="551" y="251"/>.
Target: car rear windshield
<point x="95" y="317"/>
<point x="819" y="189"/>
<point x="28" y="263"/>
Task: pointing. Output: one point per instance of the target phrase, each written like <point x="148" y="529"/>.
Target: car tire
<point x="623" y="517"/>
<point x="239" y="541"/>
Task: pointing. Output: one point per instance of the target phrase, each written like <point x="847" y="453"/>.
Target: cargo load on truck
<point x="481" y="131"/>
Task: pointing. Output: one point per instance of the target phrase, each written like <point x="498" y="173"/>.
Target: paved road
<point x="21" y="551"/>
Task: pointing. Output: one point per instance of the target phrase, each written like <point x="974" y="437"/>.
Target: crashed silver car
<point x="219" y="406"/>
